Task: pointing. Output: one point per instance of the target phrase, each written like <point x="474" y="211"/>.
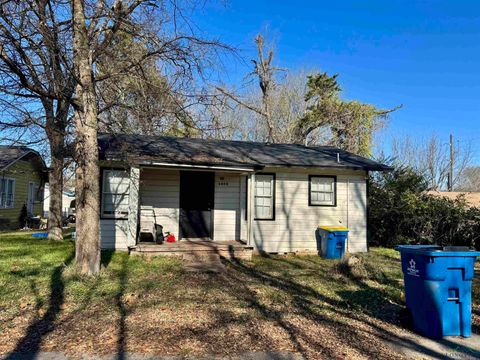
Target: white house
<point x="68" y="204"/>
<point x="271" y="197"/>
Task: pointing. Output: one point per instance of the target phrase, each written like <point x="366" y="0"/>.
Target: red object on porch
<point x="171" y="238"/>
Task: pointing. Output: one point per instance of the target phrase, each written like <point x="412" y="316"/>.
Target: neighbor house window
<point x="7" y="193"/>
<point x="322" y="191"/>
<point x="36" y="192"/>
<point x="264" y="196"/>
<point x="115" y="191"/>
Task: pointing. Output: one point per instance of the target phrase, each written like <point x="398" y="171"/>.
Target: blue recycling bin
<point x="333" y="240"/>
<point x="438" y="284"/>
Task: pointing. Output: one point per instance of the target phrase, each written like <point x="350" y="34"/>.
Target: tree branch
<point x="240" y="102"/>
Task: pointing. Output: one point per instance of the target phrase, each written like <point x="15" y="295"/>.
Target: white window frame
<point x="12" y="204"/>
<point x="313" y="189"/>
<point x="115" y="214"/>
<point x="257" y="195"/>
<point x="37" y="191"/>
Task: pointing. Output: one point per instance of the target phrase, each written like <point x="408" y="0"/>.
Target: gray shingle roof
<point x="227" y="153"/>
<point x="9" y="154"/>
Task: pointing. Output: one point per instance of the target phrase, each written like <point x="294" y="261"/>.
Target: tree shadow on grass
<point x="28" y="347"/>
<point x="122" y="310"/>
<point x="106" y="257"/>
<point x="353" y="306"/>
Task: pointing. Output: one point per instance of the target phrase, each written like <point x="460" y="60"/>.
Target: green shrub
<point x="22" y="217"/>
<point x="401" y="212"/>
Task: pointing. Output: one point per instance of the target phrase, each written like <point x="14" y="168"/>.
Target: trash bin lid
<point x="438" y="251"/>
<point x="333" y="228"/>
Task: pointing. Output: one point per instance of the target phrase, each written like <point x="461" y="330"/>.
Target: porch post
<point x="250" y="207"/>
<point x="133" y="206"/>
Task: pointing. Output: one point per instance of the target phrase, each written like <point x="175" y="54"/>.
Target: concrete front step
<point x="195" y="250"/>
<point x="203" y="263"/>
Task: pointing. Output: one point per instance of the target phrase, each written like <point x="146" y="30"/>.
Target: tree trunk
<point x="55" y="180"/>
<point x="86" y="151"/>
<point x="268" y="117"/>
<point x="55" y="130"/>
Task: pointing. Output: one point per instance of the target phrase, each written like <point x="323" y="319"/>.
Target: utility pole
<point x="450" y="173"/>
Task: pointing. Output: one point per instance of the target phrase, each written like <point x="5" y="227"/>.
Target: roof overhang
<point x="30" y="151"/>
<point x="246" y="168"/>
<point x="336" y="167"/>
<point x="154" y="164"/>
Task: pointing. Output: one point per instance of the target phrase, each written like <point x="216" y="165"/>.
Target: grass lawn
<point x="319" y="308"/>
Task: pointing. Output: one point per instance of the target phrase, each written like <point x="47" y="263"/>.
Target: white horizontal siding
<point x="226" y="216"/>
<point x="243" y="208"/>
<point x="160" y="189"/>
<point x="114" y="234"/>
<point x="295" y="224"/>
<point x="357" y="215"/>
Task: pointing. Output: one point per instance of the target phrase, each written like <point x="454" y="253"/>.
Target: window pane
<point x="115" y="181"/>
<point x="10" y="187"/>
<point x="263" y="201"/>
<point x="121" y="202"/>
<point x="7" y="191"/>
<point x="9" y="200"/>
<point x="108" y="203"/>
<point x="322" y="190"/>
<point x="329" y="187"/>
<point x="2" y="193"/>
<point x="115" y="193"/>
<point x="263" y="212"/>
<point x="259" y="189"/>
<point x="39" y="194"/>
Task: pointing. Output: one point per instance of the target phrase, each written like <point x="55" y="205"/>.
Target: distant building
<point x="23" y="174"/>
<point x="68" y="197"/>
<point x="472" y="198"/>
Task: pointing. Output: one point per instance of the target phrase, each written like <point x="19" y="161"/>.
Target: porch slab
<point x="195" y="248"/>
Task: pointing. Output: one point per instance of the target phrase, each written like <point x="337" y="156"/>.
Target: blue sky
<point x="422" y="54"/>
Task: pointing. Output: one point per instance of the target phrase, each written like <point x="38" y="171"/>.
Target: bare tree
<point x="307" y="112"/>
<point x="469" y="179"/>
<point x="96" y="26"/>
<point x="304" y="108"/>
<point x="36" y="85"/>
<point x="146" y="101"/>
<point x="51" y="54"/>
<point x="431" y="157"/>
<point x="264" y="71"/>
<point x="233" y="121"/>
<point x="87" y="252"/>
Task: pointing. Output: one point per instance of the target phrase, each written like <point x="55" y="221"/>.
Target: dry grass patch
<point x="318" y="308"/>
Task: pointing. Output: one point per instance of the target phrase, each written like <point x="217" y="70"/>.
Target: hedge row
<point x="400" y="212"/>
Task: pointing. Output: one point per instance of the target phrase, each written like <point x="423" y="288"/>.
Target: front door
<point x="196" y="204"/>
<point x="31" y="194"/>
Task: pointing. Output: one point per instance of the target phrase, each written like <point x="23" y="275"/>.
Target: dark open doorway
<point x="196" y="204"/>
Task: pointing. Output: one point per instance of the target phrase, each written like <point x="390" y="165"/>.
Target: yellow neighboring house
<point x="23" y="174"/>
